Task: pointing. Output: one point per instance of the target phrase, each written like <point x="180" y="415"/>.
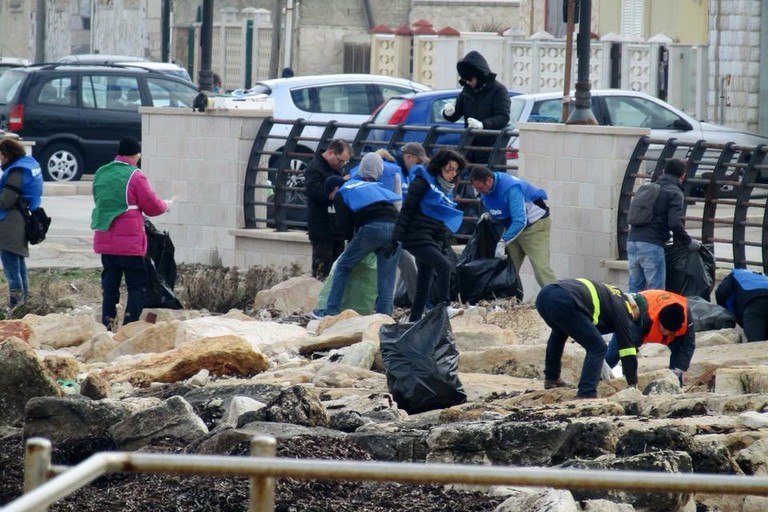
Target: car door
<point x="346" y="103"/>
<point x="51" y="109"/>
<point x="167" y="92"/>
<point x="107" y="114"/>
<point x="639" y="112"/>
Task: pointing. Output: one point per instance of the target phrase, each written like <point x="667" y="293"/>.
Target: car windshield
<point x="387" y="110"/>
<point x="9" y="84"/>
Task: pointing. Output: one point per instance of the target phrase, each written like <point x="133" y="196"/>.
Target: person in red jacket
<point x="665" y="317"/>
<point x="122" y="195"/>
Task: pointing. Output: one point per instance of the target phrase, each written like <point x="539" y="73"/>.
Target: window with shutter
<point x="632" y="16"/>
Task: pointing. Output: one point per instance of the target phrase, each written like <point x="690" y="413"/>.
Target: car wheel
<point x="62" y="162"/>
<point x="294" y="197"/>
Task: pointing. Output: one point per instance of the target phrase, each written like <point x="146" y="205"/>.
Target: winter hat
<point x="671" y="317"/>
<point x="417" y="150"/>
<point x="371" y="166"/>
<point x="129" y="147"/>
<point x="642" y="303"/>
<point x="331" y="182"/>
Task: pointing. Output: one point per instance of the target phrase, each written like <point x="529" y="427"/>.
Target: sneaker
<point x="452" y="312"/>
<point x="552" y="384"/>
<point x="317" y="314"/>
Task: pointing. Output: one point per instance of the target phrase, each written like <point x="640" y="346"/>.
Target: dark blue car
<point x="417" y="109"/>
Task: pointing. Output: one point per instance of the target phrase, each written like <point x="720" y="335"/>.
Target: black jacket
<point x="348" y="222"/>
<point x="414" y="228"/>
<point x="667" y="216"/>
<point x="321" y="218"/>
<point x="488" y="103"/>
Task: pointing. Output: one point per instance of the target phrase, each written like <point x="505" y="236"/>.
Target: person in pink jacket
<point x="122" y="196"/>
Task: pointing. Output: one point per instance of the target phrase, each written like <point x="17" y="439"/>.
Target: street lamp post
<point x="582" y="113"/>
<point x="206" y="51"/>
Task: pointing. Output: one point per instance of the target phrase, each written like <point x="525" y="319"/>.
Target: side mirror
<point x="682" y="125"/>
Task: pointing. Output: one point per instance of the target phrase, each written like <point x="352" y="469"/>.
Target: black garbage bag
<point x="422" y="363"/>
<point x="710" y="317"/>
<point x="479" y="274"/>
<point x="161" y="269"/>
<point x="690" y="273"/>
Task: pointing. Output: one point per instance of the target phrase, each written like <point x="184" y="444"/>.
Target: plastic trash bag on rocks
<point x="710" y="317"/>
<point x="690" y="273"/>
<point x="422" y="363"/>
<point x="480" y="275"/>
<point x="362" y="288"/>
<point x="161" y="269"/>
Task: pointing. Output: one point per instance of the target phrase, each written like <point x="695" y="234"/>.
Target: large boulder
<point x="269" y="338"/>
<point x="346" y="332"/>
<point x="298" y="405"/>
<point x="61" y="331"/>
<point x="22" y="377"/>
<point x="223" y="355"/>
<point x="172" y="418"/>
<point x="297" y="294"/>
<point x="152" y="338"/>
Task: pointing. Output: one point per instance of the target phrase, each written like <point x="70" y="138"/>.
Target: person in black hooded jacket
<point x="483" y="102"/>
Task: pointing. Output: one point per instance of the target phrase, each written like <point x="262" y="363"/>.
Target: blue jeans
<point x="647" y="267"/>
<point x="561" y="312"/>
<point x="135" y="281"/>
<point x="15" y="270"/>
<point x="371" y="237"/>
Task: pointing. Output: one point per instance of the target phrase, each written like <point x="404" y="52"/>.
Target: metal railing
<point x="263" y="468"/>
<point x="726" y="192"/>
<point x="274" y="186"/>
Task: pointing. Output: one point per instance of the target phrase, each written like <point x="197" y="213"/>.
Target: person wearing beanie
<point x="664" y="317"/>
<point x="390" y="174"/>
<point x="326" y="240"/>
<point x="745" y="294"/>
<point x="122" y="196"/>
<point x="21" y="186"/>
<point x="585" y="310"/>
<point x="365" y="211"/>
<point x="483" y="103"/>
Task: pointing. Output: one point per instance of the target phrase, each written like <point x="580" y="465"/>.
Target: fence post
<point x="262" y="491"/>
<point x="37" y="463"/>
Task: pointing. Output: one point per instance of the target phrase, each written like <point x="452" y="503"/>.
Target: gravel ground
<point x="160" y="493"/>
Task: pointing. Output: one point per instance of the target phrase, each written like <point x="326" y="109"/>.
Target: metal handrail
<point x="264" y="468"/>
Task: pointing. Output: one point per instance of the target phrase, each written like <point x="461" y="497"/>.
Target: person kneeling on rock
<point x="585" y="310"/>
<point x="665" y="317"/>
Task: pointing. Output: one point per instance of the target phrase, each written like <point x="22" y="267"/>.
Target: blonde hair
<point x="385" y="155"/>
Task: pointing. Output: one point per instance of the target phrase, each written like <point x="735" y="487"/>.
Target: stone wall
<point x="734" y="63"/>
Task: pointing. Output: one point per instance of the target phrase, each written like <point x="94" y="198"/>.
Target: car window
<point x="9" y="84"/>
<point x="110" y="92"/>
<point x="515" y="110"/>
<point x="436" y="112"/>
<point x="343" y="99"/>
<point x="167" y="93"/>
<point x="384" y="92"/>
<point x="301" y="99"/>
<point x="58" y="91"/>
<point x="639" y="113"/>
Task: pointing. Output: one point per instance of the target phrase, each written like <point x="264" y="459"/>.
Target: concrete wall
<point x="684" y="22"/>
<point x="201" y="157"/>
<point x="467" y="16"/>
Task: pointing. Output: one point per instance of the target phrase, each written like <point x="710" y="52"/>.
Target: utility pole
<point x="570" y="20"/>
<point x="40" y="31"/>
<point x="274" y="54"/>
<point x="206" y="52"/>
<point x="582" y="114"/>
<point x="165" y="31"/>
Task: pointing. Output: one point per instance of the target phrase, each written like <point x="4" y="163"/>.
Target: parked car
<point x="345" y="98"/>
<point x="168" y="68"/>
<point x="7" y="63"/>
<point x="614" y="107"/>
<point x="77" y="113"/>
<point x="417" y="109"/>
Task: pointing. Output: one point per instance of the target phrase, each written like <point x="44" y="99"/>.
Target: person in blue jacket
<point x="427" y="215"/>
<point x="521" y="209"/>
<point x="391" y="174"/>
<point x="365" y="211"/>
<point x="745" y="294"/>
<point x="21" y="186"/>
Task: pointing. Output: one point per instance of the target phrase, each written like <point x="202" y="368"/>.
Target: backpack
<point x="641" y="206"/>
<point x="37" y="224"/>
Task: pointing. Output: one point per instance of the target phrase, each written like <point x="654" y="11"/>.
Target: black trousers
<point x="135" y="272"/>
<point x="430" y="262"/>
<point x="324" y="253"/>
<point x="755" y="319"/>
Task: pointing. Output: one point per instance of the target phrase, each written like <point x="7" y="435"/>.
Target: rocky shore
<point x="194" y="383"/>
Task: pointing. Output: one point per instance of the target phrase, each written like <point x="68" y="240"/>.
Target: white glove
<point x="474" y="123"/>
<point x="449" y="110"/>
<point x="486" y="216"/>
<point x="168" y="203"/>
<point x="501" y="250"/>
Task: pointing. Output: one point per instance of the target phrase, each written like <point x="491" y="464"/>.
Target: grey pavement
<point x="69" y="240"/>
